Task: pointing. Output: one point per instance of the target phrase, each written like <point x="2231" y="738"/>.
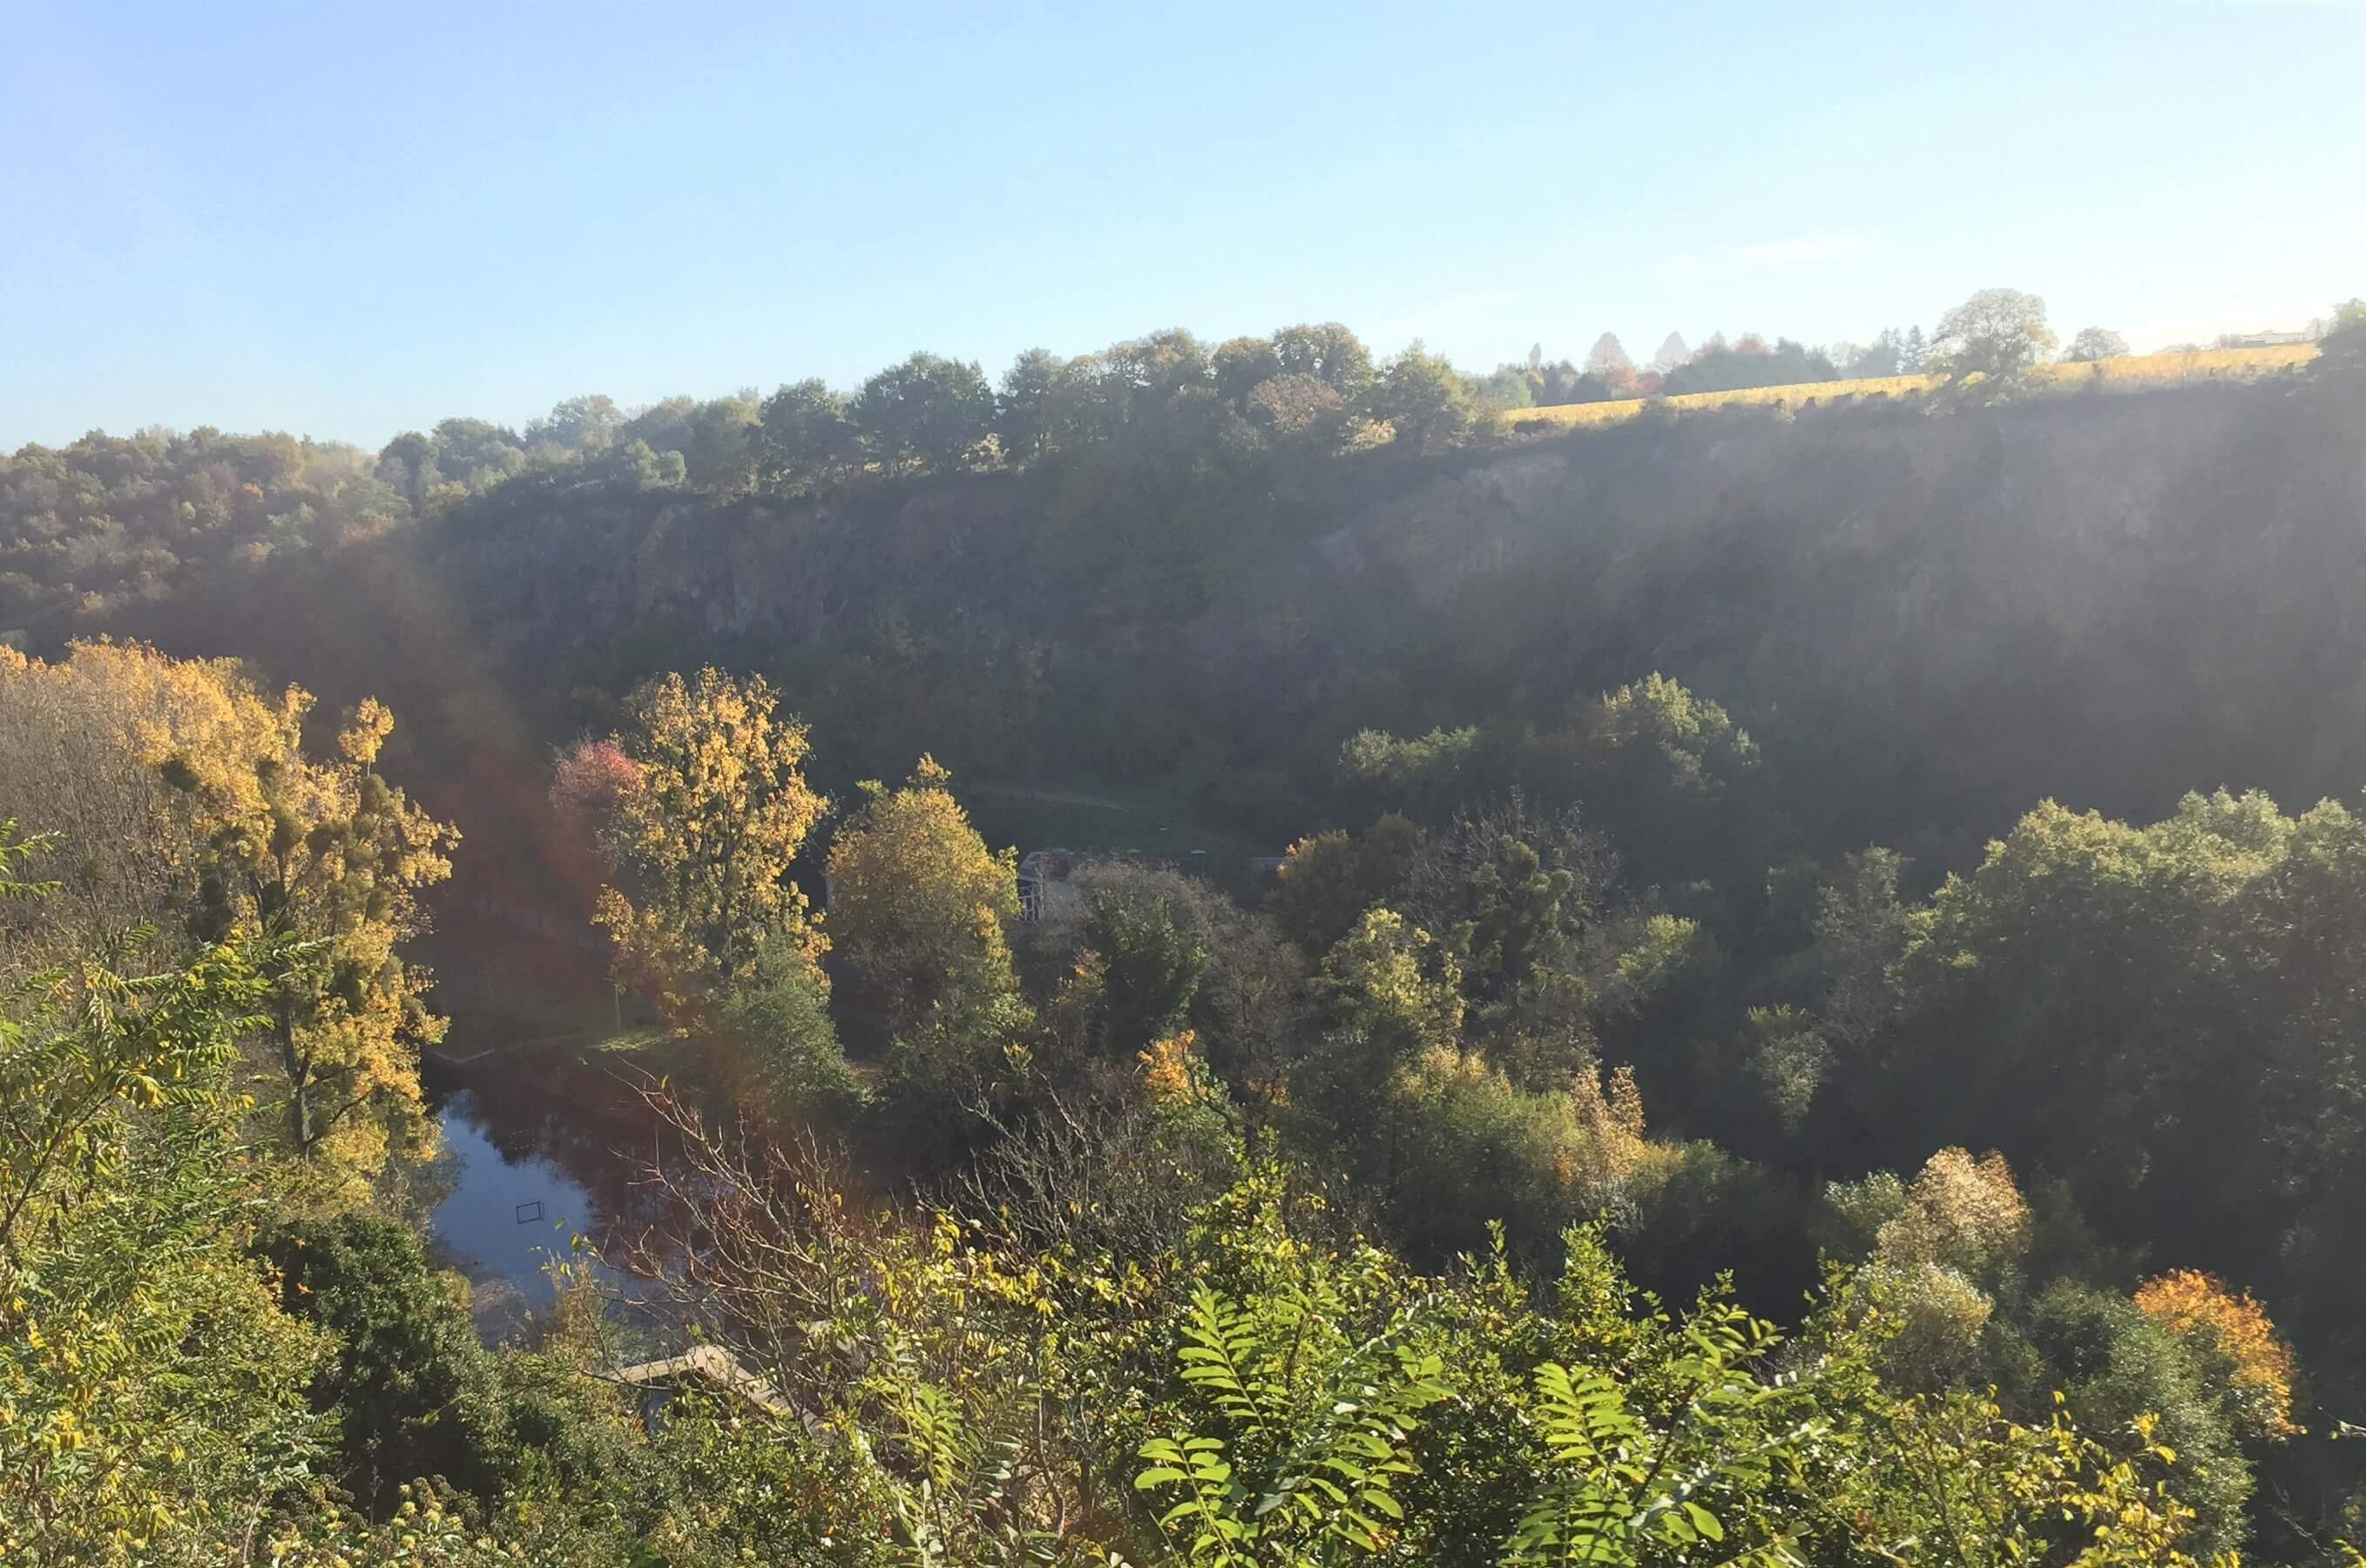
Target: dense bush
<point x="414" y="1393"/>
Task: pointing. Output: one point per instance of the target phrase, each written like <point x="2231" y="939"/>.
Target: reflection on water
<point x="506" y="1218"/>
<point x="541" y="1150"/>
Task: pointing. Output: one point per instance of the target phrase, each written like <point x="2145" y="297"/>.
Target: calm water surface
<point x="545" y="1156"/>
<point x="508" y="1216"/>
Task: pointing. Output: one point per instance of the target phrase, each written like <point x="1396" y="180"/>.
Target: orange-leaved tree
<point x="2198" y="1306"/>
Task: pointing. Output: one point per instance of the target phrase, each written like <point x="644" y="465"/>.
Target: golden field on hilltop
<point x="2135" y="372"/>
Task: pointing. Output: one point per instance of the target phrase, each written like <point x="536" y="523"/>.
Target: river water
<point x="506" y="1219"/>
<point x="544" y="1156"/>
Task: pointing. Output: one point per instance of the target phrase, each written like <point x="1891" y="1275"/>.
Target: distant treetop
<point x="2094" y="344"/>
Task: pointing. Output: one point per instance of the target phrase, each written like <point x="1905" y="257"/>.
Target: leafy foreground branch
<point x="1047" y="1369"/>
<point x="1249" y="1384"/>
<point x="1255" y="1386"/>
<point x="1692" y="1452"/>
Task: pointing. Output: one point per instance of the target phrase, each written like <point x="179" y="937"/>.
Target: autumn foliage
<point x="919" y="903"/>
<point x="2191" y="1303"/>
<point x="195" y="785"/>
<point x="590" y="783"/>
<point x="710" y="813"/>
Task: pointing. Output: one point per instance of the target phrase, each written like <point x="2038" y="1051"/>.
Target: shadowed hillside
<point x="1927" y="620"/>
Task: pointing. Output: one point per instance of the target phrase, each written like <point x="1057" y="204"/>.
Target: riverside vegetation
<point x="1692" y="1092"/>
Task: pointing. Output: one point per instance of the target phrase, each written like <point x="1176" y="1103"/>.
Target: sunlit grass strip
<point x="2201" y="365"/>
<point x="2133" y="373"/>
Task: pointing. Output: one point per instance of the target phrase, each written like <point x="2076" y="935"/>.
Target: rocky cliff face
<point x="2108" y="599"/>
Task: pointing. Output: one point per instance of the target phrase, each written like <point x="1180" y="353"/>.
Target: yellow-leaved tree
<point x="331" y="853"/>
<point x="918" y="903"/>
<point x="249" y="837"/>
<point x="1940" y="1247"/>
<point x="83" y="747"/>
<point x="706" y="827"/>
<point x="918" y="908"/>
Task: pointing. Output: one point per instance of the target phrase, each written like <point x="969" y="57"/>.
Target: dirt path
<point x="1054" y="797"/>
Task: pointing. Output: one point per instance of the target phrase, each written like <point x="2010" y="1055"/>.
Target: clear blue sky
<point x="347" y="220"/>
